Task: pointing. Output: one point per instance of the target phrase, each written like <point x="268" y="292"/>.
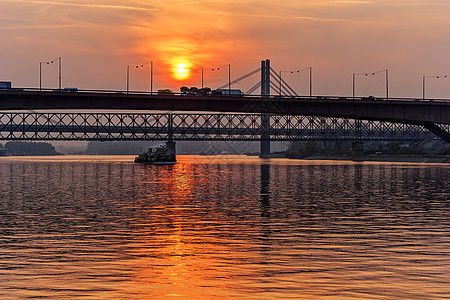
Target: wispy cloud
<point x="38" y="27"/>
<point x="285" y="17"/>
<point x="87" y="5"/>
<point x="341" y="2"/>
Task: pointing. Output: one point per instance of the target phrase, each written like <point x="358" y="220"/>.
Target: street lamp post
<point x="281" y="79"/>
<point x="137" y="67"/>
<point x="47" y="63"/>
<point x="128" y="78"/>
<point x="387" y="81"/>
<point x="59" y="59"/>
<point x="353" y="83"/>
<point x="310" y="79"/>
<point x="298" y="71"/>
<point x="229" y="77"/>
<point x="423" y="83"/>
<point x="151" y="77"/>
<point x="40" y="72"/>
<point x="203" y="74"/>
<point x="373" y="73"/>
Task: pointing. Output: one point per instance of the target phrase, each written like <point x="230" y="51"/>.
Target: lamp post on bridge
<point x="281" y="72"/>
<point x="151" y="77"/>
<point x="128" y="78"/>
<point x="137" y="67"/>
<point x="387" y="81"/>
<point x="229" y="76"/>
<point x="298" y="71"/>
<point x="423" y="82"/>
<point x="310" y="79"/>
<point x="202" y="75"/>
<point x="50" y="62"/>
<point x="373" y="73"/>
<point x="353" y="83"/>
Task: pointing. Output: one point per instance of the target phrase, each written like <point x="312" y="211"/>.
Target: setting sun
<point x="181" y="71"/>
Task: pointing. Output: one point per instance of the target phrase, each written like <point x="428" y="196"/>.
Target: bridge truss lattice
<point x="198" y="127"/>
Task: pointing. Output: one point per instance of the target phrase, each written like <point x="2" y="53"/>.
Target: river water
<point x="222" y="227"/>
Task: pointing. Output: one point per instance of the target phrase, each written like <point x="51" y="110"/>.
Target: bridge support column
<point x="265" y="137"/>
<point x="438" y="131"/>
<point x="357" y="148"/>
<point x="265" y="118"/>
<point x="171" y="148"/>
<point x="358" y="145"/>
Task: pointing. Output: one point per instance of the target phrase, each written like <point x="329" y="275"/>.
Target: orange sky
<point x="97" y="42"/>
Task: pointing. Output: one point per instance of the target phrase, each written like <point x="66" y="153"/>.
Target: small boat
<point x="158" y="155"/>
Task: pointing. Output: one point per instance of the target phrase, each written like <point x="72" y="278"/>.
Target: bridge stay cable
<point x="253" y="88"/>
<point x="275" y="87"/>
<point x="284" y="90"/>
<point x="284" y="84"/>
<point x="240" y="78"/>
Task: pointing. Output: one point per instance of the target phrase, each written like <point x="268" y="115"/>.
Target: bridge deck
<point x="393" y="110"/>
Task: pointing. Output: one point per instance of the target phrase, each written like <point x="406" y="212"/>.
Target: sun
<point x="181" y="71"/>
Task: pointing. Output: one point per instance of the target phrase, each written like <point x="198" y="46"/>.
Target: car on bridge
<point x="371" y="98"/>
<point x="67" y="89"/>
<point x="5" y="85"/>
<point x="165" y="92"/>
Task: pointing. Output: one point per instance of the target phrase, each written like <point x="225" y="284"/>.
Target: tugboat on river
<point x="159" y="155"/>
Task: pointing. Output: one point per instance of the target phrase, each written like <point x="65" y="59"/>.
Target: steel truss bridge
<point x="264" y="117"/>
<point x="199" y="127"/>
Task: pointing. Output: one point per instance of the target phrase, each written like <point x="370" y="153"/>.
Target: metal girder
<point x="206" y="127"/>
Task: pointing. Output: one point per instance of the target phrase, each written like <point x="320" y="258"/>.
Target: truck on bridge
<point x="229" y="92"/>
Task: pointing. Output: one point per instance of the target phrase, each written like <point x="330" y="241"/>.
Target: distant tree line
<point x="28" y="148"/>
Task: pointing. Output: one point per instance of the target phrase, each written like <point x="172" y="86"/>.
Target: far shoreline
<point x="384" y="158"/>
<point x="426" y="159"/>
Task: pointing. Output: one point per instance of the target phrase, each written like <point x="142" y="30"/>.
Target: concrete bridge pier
<point x="265" y="137"/>
<point x="358" y="145"/>
<point x="265" y="118"/>
<point x="172" y="150"/>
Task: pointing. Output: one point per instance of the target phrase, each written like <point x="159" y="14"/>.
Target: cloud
<point x="83" y="5"/>
<point x="39" y="27"/>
